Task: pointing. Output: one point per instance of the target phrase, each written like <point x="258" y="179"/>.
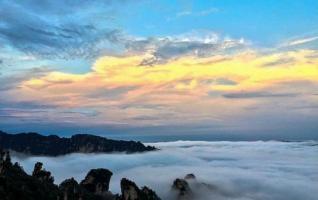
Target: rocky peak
<point x="149" y="193"/>
<point x="189" y="177"/>
<point x="189" y="188"/>
<point x="42" y="174"/>
<point x="5" y="159"/>
<point x="97" y="181"/>
<point x="70" y="189"/>
<point x="130" y="191"/>
<point x="182" y="186"/>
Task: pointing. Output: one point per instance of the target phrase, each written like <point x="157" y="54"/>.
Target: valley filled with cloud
<point x="232" y="170"/>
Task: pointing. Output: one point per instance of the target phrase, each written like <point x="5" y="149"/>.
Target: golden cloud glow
<point x="247" y="69"/>
<point x="198" y="81"/>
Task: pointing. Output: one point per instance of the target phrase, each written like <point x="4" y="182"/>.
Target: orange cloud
<point x="174" y="85"/>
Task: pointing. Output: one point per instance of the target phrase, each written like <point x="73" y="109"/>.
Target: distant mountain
<point x="53" y="145"/>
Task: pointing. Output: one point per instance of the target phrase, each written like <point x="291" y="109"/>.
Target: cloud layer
<point x="222" y="89"/>
<point x="239" y="170"/>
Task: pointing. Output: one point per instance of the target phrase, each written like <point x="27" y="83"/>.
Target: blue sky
<point x="277" y="20"/>
<point x="135" y="67"/>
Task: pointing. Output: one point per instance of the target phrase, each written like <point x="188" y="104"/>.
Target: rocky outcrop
<point x="149" y="194"/>
<point x="15" y="184"/>
<point x="181" y="186"/>
<point x="36" y="144"/>
<point x="41" y="174"/>
<point x="189" y="176"/>
<point x="70" y="190"/>
<point x="189" y="188"/>
<point x="130" y="191"/>
<point x="97" y="181"/>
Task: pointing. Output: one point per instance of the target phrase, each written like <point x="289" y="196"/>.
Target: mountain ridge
<point x="53" y="145"/>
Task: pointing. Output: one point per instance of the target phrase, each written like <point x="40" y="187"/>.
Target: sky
<point x="224" y="70"/>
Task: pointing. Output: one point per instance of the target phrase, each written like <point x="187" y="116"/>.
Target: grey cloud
<point x="163" y="49"/>
<point x="225" y="81"/>
<point x="20" y="113"/>
<point x="218" y="81"/>
<point x="9" y="83"/>
<point x="24" y="105"/>
<point x="279" y="62"/>
<point x="84" y="112"/>
<point x="23" y="114"/>
<point x="113" y="93"/>
<point x="151" y="61"/>
<point x="157" y="118"/>
<point x="146" y="118"/>
<point x="258" y="94"/>
<point x="307" y="106"/>
<point x="142" y="106"/>
<point x="12" y="82"/>
<point x="37" y="112"/>
<point x="24" y="110"/>
<point x="58" y="36"/>
<point x="312" y="56"/>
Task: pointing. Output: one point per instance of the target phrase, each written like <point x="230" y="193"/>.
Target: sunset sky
<point x="225" y="69"/>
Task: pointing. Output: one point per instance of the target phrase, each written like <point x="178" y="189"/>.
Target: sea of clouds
<point x="236" y="170"/>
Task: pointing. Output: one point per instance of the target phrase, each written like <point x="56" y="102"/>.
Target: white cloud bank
<point x="239" y="170"/>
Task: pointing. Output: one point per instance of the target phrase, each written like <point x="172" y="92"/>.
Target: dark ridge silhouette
<point x="15" y="184"/>
<point x="53" y="145"/>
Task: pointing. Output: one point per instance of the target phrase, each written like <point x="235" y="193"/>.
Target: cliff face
<point x="36" y="144"/>
<point x="15" y="184"/>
